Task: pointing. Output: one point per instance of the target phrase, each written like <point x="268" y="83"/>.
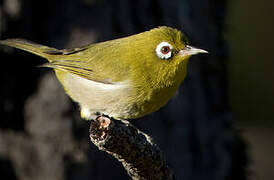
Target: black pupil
<point x="165" y="49"/>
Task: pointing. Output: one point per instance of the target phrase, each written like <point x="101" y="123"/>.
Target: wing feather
<point x="78" y="68"/>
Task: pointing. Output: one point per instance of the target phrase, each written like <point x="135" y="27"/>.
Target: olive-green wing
<point x="87" y="61"/>
<point x="80" y="68"/>
<point x="93" y="62"/>
<point x="97" y="62"/>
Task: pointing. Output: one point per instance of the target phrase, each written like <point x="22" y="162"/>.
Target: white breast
<point x="97" y="97"/>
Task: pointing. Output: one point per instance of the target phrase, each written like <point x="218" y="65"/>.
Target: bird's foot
<point x="100" y="127"/>
<point x="103" y="121"/>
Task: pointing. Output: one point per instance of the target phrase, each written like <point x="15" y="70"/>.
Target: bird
<point x="124" y="78"/>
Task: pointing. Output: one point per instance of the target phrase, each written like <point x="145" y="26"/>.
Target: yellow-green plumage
<point x="123" y="78"/>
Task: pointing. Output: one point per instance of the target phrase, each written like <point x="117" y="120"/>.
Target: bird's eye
<point x="164" y="50"/>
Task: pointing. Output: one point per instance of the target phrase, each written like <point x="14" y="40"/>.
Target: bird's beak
<point x="189" y="51"/>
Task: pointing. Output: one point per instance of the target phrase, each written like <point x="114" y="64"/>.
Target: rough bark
<point x="140" y="156"/>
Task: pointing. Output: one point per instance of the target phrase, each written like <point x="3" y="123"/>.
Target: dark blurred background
<point x="218" y="126"/>
<point x="250" y="73"/>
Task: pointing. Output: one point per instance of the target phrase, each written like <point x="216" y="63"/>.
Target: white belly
<point x="109" y="99"/>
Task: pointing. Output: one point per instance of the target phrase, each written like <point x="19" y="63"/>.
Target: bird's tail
<point x="31" y="47"/>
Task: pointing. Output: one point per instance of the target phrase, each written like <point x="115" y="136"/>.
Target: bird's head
<point x="164" y="51"/>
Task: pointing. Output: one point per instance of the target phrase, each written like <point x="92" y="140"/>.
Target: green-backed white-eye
<point x="124" y="78"/>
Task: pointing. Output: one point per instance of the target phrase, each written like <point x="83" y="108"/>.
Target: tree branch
<point x="140" y="156"/>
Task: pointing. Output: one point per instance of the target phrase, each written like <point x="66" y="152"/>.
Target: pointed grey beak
<point x="189" y="51"/>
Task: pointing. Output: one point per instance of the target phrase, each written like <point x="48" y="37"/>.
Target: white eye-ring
<point x="164" y="50"/>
